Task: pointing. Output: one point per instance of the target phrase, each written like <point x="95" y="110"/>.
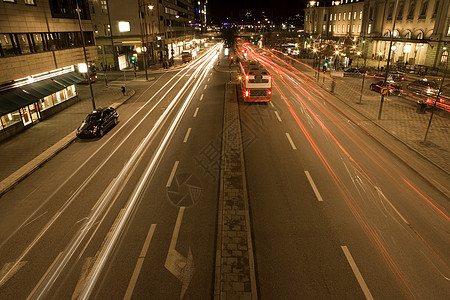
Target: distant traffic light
<point x="133" y="59"/>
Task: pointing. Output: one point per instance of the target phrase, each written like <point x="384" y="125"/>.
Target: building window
<point x="324" y="28"/>
<point x="104" y="6"/>
<point x="444" y="57"/>
<point x="30" y="2"/>
<point x="339" y="17"/>
<point x="338" y="28"/>
<point x="329" y="28"/>
<point x="325" y="17"/>
<point x="38" y="42"/>
<point x="369" y="28"/>
<point x="106" y="29"/>
<point x="7" y="45"/>
<point x="348" y="27"/>
<point x="353" y="28"/>
<point x="23" y="42"/>
<point x="11" y="1"/>
<point x="360" y="14"/>
<point x="344" y="16"/>
<point x="354" y="15"/>
<point x="359" y="28"/>
<point x="343" y="28"/>
<point x="436" y="7"/>
<point x="401" y="7"/>
<point x="349" y="15"/>
<point x="335" y="18"/>
<point x="412" y="7"/>
<point x="423" y="11"/>
<point x="448" y="30"/>
<point x="334" y="28"/>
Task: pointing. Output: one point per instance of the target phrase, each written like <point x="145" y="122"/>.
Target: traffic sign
<point x="390" y="77"/>
<point x="384" y="91"/>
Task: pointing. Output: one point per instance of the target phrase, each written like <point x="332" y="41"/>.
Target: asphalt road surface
<point x="335" y="215"/>
<point x="133" y="214"/>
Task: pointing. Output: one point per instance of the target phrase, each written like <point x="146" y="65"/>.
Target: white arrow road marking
<point x="85" y="270"/>
<point x="6" y="272"/>
<point x="181" y="267"/>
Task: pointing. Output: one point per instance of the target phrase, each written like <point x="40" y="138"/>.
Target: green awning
<point x="43" y="88"/>
<point x="13" y="99"/>
<point x="68" y="79"/>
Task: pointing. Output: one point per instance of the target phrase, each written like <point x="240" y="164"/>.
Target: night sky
<point x="234" y="9"/>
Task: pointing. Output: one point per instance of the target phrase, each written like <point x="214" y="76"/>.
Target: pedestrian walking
<point x="123" y="90"/>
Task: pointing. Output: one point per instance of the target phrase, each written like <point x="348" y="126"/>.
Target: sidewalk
<point x="25" y="152"/>
<point x="30" y="149"/>
<point x="399" y="117"/>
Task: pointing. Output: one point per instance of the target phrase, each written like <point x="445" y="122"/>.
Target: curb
<point x="412" y="166"/>
<point x="8" y="183"/>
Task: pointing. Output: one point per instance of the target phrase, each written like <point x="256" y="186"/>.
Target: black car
<point x="98" y="122"/>
<point x="423" y="87"/>
<point x="353" y="72"/>
<point x="393" y="87"/>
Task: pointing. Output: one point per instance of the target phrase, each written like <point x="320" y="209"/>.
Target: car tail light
<point x="246" y="77"/>
<point x="246" y="93"/>
<point x="269" y="92"/>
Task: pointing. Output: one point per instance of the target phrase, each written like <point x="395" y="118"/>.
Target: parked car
<point x="353" y="72"/>
<point x="423" y="87"/>
<point x="394" y="88"/>
<point x="98" y="122"/>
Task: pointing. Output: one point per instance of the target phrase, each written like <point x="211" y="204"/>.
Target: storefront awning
<point x="15" y="98"/>
<point x="68" y="79"/>
<point x="43" y="88"/>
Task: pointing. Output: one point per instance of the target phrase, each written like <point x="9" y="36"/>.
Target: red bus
<point x="256" y="82"/>
<point x="92" y="72"/>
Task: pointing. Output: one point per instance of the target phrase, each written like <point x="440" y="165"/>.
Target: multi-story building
<point x="150" y="28"/>
<point x="421" y="28"/>
<point x="122" y="33"/>
<point x="200" y="15"/>
<point x="41" y="46"/>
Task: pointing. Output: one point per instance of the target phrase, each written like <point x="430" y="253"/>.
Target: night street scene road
<point x="205" y="149"/>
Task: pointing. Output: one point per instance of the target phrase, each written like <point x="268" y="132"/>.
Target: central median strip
<point x="235" y="276"/>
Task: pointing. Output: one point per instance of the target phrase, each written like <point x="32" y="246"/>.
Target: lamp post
<point x="78" y="10"/>
<point x="142" y="15"/>
<point x="389" y="58"/>
<point x="436" y="100"/>
<point x="357" y="60"/>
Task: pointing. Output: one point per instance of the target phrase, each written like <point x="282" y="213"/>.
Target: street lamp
<point x="357" y="60"/>
<point x="389" y="58"/>
<point x="88" y="75"/>
<point x="142" y="15"/>
<point x="436" y="100"/>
